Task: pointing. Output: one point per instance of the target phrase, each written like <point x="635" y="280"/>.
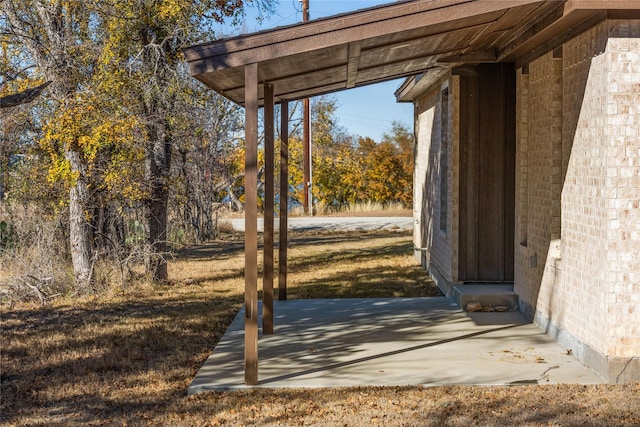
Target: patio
<point x="391" y="342"/>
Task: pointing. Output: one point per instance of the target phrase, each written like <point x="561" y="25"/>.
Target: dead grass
<point x="127" y="358"/>
<point x="362" y="209"/>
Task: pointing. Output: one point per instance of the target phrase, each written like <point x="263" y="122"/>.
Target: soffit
<point x="401" y="39"/>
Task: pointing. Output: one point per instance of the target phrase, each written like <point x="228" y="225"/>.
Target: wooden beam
<point x="531" y="28"/>
<point x="314" y="91"/>
<point x="269" y="182"/>
<point x="251" y="227"/>
<point x="448" y="14"/>
<point x="502" y="27"/>
<point x="353" y="64"/>
<point x="432" y="76"/>
<point x="471" y="57"/>
<point x="465" y="70"/>
<point x="307" y="201"/>
<point x="624" y="14"/>
<point x="559" y="34"/>
<point x="309" y="29"/>
<point x="302" y="88"/>
<point x="602" y="4"/>
<point x="322" y="77"/>
<point x="551" y="29"/>
<point x="427" y="42"/>
<point x="284" y="199"/>
<point x="513" y="16"/>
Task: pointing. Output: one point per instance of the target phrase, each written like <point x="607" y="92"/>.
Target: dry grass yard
<point x="126" y="358"/>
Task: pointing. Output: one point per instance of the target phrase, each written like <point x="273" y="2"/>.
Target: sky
<point x="364" y="111"/>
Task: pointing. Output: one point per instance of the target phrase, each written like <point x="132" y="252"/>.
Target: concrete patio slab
<point x="391" y="342"/>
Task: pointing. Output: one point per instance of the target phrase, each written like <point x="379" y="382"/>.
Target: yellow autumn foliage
<point x="105" y="138"/>
<point x="10" y="58"/>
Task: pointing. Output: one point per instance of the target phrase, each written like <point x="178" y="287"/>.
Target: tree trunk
<point x="158" y="165"/>
<point x="4" y="171"/>
<point x="80" y="235"/>
<point x="235" y="200"/>
<point x="156" y="216"/>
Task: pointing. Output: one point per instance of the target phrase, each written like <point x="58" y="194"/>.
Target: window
<point x="444" y="159"/>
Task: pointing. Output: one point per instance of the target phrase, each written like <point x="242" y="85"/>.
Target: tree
<point x="327" y="138"/>
<point x="337" y="178"/>
<point x="345" y="173"/>
<point x="147" y="38"/>
<point x="54" y="38"/>
<point x="388" y="167"/>
<point x="208" y="168"/>
<point x="113" y="65"/>
<point x="404" y="141"/>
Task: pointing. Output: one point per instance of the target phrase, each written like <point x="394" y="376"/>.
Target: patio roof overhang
<point x="401" y="39"/>
<point x="422" y="40"/>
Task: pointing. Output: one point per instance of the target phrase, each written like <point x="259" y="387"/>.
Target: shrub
<point x="34" y="265"/>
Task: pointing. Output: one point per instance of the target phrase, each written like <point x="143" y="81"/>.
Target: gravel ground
<point x="334" y="223"/>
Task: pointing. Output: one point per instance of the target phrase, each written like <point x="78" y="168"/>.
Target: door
<point x="487" y="173"/>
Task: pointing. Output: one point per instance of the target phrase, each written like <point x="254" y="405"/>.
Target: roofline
<point x="308" y="36"/>
<point x="291" y="26"/>
<point x="579" y="16"/>
<point x="556" y="21"/>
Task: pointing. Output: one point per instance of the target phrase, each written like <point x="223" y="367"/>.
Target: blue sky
<point x="366" y="111"/>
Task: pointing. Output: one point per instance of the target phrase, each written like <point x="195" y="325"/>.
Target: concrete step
<point x="493" y="295"/>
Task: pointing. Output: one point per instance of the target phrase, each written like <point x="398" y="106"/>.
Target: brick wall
<point x="578" y="192"/>
<point x="584" y="219"/>
<point x="521" y="245"/>
<point x="538" y="180"/>
<point x="577" y="239"/>
<point x="622" y="58"/>
<point x="425" y="110"/>
<point x="439" y="250"/>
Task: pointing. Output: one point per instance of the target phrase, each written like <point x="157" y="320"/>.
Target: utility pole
<point x="306" y="138"/>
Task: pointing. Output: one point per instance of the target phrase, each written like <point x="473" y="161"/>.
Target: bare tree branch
<point x="23" y="97"/>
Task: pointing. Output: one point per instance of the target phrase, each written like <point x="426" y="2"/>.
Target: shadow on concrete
<point x="391" y="342"/>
